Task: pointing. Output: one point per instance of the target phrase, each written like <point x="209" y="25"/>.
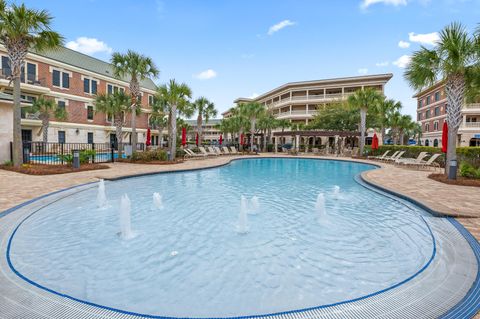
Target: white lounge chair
<point x="203" y="151"/>
<point x="393" y="159"/>
<point x="212" y="150"/>
<point x="217" y="150"/>
<point x="379" y="157"/>
<point x="429" y="163"/>
<point x="393" y="156"/>
<point x="226" y="151"/>
<point x="233" y="150"/>
<point x="419" y="159"/>
<point x="190" y="153"/>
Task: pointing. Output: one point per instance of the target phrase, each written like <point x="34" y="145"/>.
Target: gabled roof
<point x="89" y="63"/>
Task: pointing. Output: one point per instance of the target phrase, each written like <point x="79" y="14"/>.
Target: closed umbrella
<point x="196" y="139"/>
<point x="184" y="136"/>
<point x="444" y="137"/>
<point x="375" y="142"/>
<point x="220" y="140"/>
<point x="241" y="139"/>
<point x="148" y="142"/>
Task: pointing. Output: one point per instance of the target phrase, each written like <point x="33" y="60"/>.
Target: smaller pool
<point x="54" y="159"/>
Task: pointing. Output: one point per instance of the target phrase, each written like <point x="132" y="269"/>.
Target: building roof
<point x="89" y="63"/>
<point x="426" y="90"/>
<point x="385" y="77"/>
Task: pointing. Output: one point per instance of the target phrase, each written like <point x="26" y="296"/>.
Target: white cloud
<point x="363" y="71"/>
<point x="206" y="75"/>
<point x="89" y="46"/>
<point x="402" y="61"/>
<point x="427" y="38"/>
<point x="403" y="44"/>
<point x="382" y="64"/>
<point x="279" y="26"/>
<point x="366" y="3"/>
<point x="253" y="96"/>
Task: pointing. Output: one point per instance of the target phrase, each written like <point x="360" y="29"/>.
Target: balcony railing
<point x="314" y="98"/>
<point x="472" y="106"/>
<point x="296" y="112"/>
<point x="25" y="78"/>
<point x="471" y="125"/>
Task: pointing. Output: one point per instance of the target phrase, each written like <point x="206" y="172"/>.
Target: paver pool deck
<point x="461" y="202"/>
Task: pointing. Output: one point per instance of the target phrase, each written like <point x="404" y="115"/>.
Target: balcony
<point x="29" y="84"/>
<point x="296" y="114"/>
<point x="471" y="125"/>
<point x="310" y="99"/>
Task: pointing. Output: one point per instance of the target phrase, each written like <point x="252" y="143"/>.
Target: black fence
<point x="62" y="153"/>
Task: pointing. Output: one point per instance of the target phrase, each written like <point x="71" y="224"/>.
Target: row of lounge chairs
<point x="211" y="151"/>
<point x="418" y="162"/>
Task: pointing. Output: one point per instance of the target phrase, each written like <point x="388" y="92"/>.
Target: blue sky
<point x="237" y="48"/>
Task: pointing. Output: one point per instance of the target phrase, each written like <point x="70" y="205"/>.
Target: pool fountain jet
<point x="320" y="208"/>
<point x="157" y="200"/>
<point x="101" y="196"/>
<point x="254" y="204"/>
<point x="242" y="226"/>
<point x="125" y="218"/>
<point x="336" y="192"/>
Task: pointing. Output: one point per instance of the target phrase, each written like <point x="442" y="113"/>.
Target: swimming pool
<point x="189" y="258"/>
<point x="55" y="159"/>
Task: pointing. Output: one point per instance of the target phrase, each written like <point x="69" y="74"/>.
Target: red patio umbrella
<point x="444" y="137"/>
<point x="149" y="137"/>
<point x="375" y="142"/>
<point x="196" y="139"/>
<point x="220" y="140"/>
<point x="184" y="136"/>
<point x="241" y="139"/>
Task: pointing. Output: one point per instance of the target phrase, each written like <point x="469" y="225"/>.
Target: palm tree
<point x="44" y="108"/>
<point x="176" y="98"/>
<point x="267" y="123"/>
<point x="394" y="122"/>
<point x="136" y="67"/>
<point x="115" y="106"/>
<point x="252" y="111"/>
<point x="239" y="122"/>
<point x="283" y="124"/>
<point x="365" y="100"/>
<point x="205" y="110"/>
<point x="405" y="127"/>
<point x="158" y="118"/>
<point x="384" y="109"/>
<point x="22" y="29"/>
<point x="455" y="60"/>
<point x="417" y="132"/>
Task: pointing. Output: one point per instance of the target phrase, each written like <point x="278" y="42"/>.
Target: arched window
<point x="427" y="127"/>
<point x="435" y="143"/>
<point x="435" y="127"/>
<point x="427" y="143"/>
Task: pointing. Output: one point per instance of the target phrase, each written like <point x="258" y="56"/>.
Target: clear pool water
<point x="188" y="259"/>
<point x="99" y="157"/>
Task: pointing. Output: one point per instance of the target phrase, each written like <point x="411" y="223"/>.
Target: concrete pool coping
<point x="340" y="310"/>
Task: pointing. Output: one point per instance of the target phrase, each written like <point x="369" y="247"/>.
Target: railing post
<point x="11" y="151"/>
<point x="112" y="157"/>
<point x="61" y="148"/>
<point x="94" y="154"/>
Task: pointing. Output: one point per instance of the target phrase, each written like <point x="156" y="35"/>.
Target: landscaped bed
<point x="43" y="169"/>
<point x="461" y="181"/>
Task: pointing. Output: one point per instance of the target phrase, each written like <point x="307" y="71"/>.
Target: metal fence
<point x="62" y="153"/>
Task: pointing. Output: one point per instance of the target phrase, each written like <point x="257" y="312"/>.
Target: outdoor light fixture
<point x="77" y="131"/>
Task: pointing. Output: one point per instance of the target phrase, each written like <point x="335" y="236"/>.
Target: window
<point x="420" y="103"/>
<point x="86" y="85"/>
<point x="150" y="100"/>
<point x="61" y="137"/>
<point x="6" y="67"/>
<point x="427" y="127"/>
<point x="90" y="86"/>
<point x="437" y="111"/>
<point x="419" y="116"/>
<point x="31" y="73"/>
<point x="427" y="114"/>
<point x="61" y="105"/>
<point x="56" y="78"/>
<point x="90" y="138"/>
<point x="94" y="87"/>
<point x="428" y="100"/>
<point x="61" y="79"/>
<point x="437" y="96"/>
<point x="435" y="143"/>
<point x="90" y="112"/>
<point x="435" y="126"/>
<point x="114" y="89"/>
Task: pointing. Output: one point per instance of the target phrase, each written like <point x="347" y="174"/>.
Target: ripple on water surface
<point x="188" y="259"/>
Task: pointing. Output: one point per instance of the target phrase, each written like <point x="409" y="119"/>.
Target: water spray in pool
<point x="157" y="200"/>
<point x="242" y="226"/>
<point x="125" y="218"/>
<point x="101" y="196"/>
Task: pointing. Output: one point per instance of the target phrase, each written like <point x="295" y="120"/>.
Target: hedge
<point x="470" y="155"/>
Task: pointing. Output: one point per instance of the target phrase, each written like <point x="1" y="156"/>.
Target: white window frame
<point x="113" y="87"/>
<point x="51" y="68"/>
<point x="90" y="85"/>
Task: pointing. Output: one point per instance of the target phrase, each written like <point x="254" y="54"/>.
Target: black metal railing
<point x="62" y="153"/>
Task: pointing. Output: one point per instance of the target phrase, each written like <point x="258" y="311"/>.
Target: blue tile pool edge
<point x="469" y="306"/>
<point x="8" y="211"/>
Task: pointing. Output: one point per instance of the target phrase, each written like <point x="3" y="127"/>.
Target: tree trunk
<point x="45" y="124"/>
<point x="17" y="126"/>
<point x="264" y="140"/>
<point x="173" y="137"/>
<point x="119" y="134"/>
<point x="252" y="134"/>
<point x="363" y="123"/>
<point x="382" y="129"/>
<point x="199" y="129"/>
<point x="455" y="89"/>
<point x="134" y="128"/>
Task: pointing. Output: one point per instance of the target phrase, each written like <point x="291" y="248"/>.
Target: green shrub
<point x="151" y="155"/>
<point x="8" y="163"/>
<point x="467" y="170"/>
<point x="270" y="147"/>
<point x="85" y="157"/>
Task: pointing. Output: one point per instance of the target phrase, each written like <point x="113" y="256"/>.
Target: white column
<point x="297" y="142"/>
<point x="275" y="138"/>
<point x="290" y="109"/>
